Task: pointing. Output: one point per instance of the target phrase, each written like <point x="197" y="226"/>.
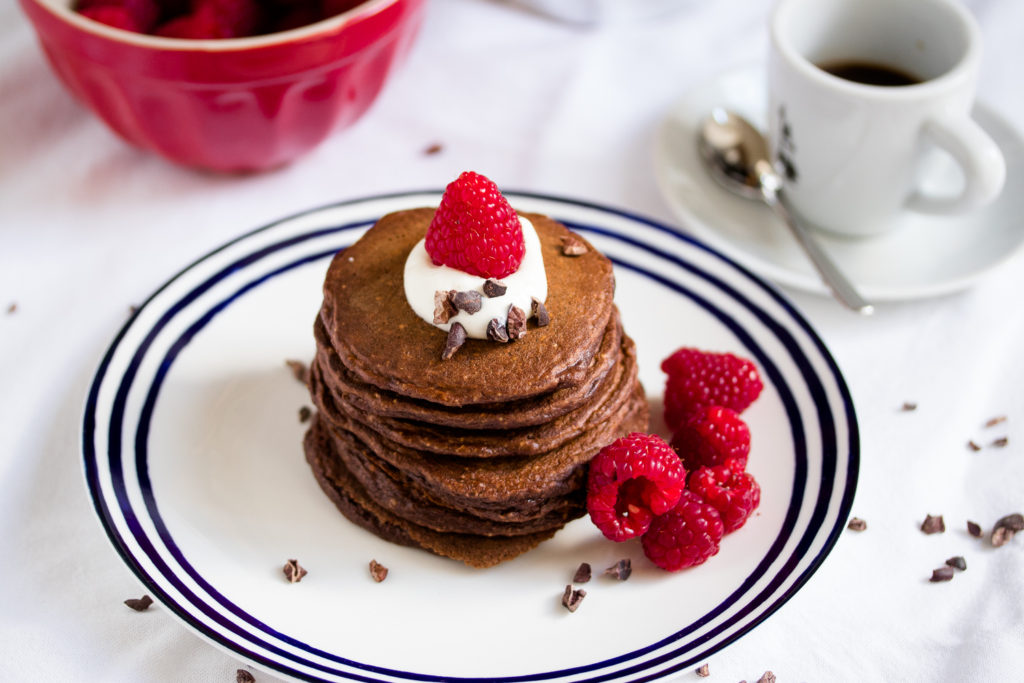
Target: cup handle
<point x="979" y="158"/>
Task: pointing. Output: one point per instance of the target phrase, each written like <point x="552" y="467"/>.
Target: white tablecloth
<point x="89" y="226"/>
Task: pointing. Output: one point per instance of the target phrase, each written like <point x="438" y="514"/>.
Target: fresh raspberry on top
<point x="235" y="18"/>
<point x="475" y="230"/>
<point x="700" y="378"/>
<point x="198" y="25"/>
<point x="685" y="536"/>
<point x="711" y="436"/>
<point x="118" y="17"/>
<point x="733" y="492"/>
<point x="632" y="480"/>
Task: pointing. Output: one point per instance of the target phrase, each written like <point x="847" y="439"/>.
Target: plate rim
<point x="775" y="599"/>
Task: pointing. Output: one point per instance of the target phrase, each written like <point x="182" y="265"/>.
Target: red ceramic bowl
<point x="238" y="104"/>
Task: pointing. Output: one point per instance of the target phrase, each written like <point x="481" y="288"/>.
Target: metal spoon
<point x="736" y="155"/>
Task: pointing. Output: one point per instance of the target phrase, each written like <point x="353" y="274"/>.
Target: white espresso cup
<point x="849" y="149"/>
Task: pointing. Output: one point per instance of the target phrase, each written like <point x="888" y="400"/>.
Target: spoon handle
<point x="833" y="278"/>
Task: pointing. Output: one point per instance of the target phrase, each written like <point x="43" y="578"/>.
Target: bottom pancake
<point x="352" y="500"/>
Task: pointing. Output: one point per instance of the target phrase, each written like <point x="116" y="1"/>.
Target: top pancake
<point x="384" y="343"/>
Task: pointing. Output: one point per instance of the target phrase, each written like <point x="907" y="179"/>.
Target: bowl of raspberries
<point x="225" y="85"/>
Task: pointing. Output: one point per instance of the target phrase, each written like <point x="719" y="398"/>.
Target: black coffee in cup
<point x="869" y="73"/>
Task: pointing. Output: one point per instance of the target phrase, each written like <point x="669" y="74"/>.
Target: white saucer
<point x="926" y="256"/>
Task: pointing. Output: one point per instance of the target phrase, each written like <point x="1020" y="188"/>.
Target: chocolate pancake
<point x="384" y="343"/>
<point x="526" y="441"/>
<point x="536" y="410"/>
<point x="357" y="506"/>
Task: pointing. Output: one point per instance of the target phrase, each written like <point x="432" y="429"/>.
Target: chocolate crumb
<point x="973" y="446"/>
<point x="139" y="604"/>
<point x="571" y="599"/>
<point x="299" y="370"/>
<point x="293" y="572"/>
<point x="768" y="677"/>
<point x="703" y="671"/>
<point x="942" y="574"/>
<point x="305" y="413"/>
<point x="621" y="570"/>
<point x="933" y="525"/>
<point x="444" y="309"/>
<point x="133" y="309"/>
<point x="857" y="524"/>
<point x="13" y="308"/>
<point x="539" y="311"/>
<point x="908" y="406"/>
<point x="470" y="301"/>
<point x="573" y="246"/>
<point x="1005" y="528"/>
<point x="433" y="148"/>
<point x="1001" y="442"/>
<point x="974" y="529"/>
<point x="582" y="574"/>
<point x="378" y="571"/>
<point x="456" y="338"/>
<point x="957" y="562"/>
<point x="995" y="420"/>
<point x="516" y="323"/>
<point x="243" y="676"/>
<point x="493" y="288"/>
<point x="496" y="331"/>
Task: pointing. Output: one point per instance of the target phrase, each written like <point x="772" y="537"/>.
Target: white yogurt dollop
<point x="422" y="278"/>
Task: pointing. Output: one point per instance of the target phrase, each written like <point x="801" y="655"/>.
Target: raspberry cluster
<point x="206" y="19"/>
<point x="682" y="499"/>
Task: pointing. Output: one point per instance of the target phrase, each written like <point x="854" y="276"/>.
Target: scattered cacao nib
<point x="571" y="599"/>
<point x="293" y="572"/>
<point x="12" y="308"/>
<point x="582" y="574"/>
<point x="139" y="604"/>
<point x="957" y="562"/>
<point x="243" y="676"/>
<point x="1005" y="528"/>
<point x="305" y="413"/>
<point x="133" y="309"/>
<point x="942" y="574"/>
<point x="974" y="529"/>
<point x="973" y="446"/>
<point x="1001" y="442"/>
<point x="456" y="338"/>
<point x="444" y="309"/>
<point x="621" y="570"/>
<point x="992" y="422"/>
<point x="470" y="301"/>
<point x="433" y="148"/>
<point x="933" y="525"/>
<point x="299" y="370"/>
<point x="857" y="524"/>
<point x="540" y="312"/>
<point x="908" y="406"/>
<point x="573" y="246"/>
<point x="496" y="331"/>
<point x="493" y="288"/>
<point x="378" y="571"/>
<point x="703" y="671"/>
<point x="516" y="323"/>
<point x="768" y="677"/>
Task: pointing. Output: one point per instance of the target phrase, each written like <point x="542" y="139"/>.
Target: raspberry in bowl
<point x="230" y="104"/>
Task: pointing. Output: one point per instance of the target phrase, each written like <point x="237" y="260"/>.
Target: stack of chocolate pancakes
<point x="482" y="456"/>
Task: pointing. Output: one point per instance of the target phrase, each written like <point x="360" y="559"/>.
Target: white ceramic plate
<point x="925" y="256"/>
<point x="193" y="457"/>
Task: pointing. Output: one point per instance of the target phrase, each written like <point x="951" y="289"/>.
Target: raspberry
<point x="235" y="18"/>
<point x="333" y="7"/>
<point x="699" y="378"/>
<point x="475" y="230"/>
<point x="198" y="25"/>
<point x="733" y="492"/>
<point x="630" y="481"/>
<point x="711" y="436"/>
<point x="118" y="17"/>
<point x="685" y="536"/>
